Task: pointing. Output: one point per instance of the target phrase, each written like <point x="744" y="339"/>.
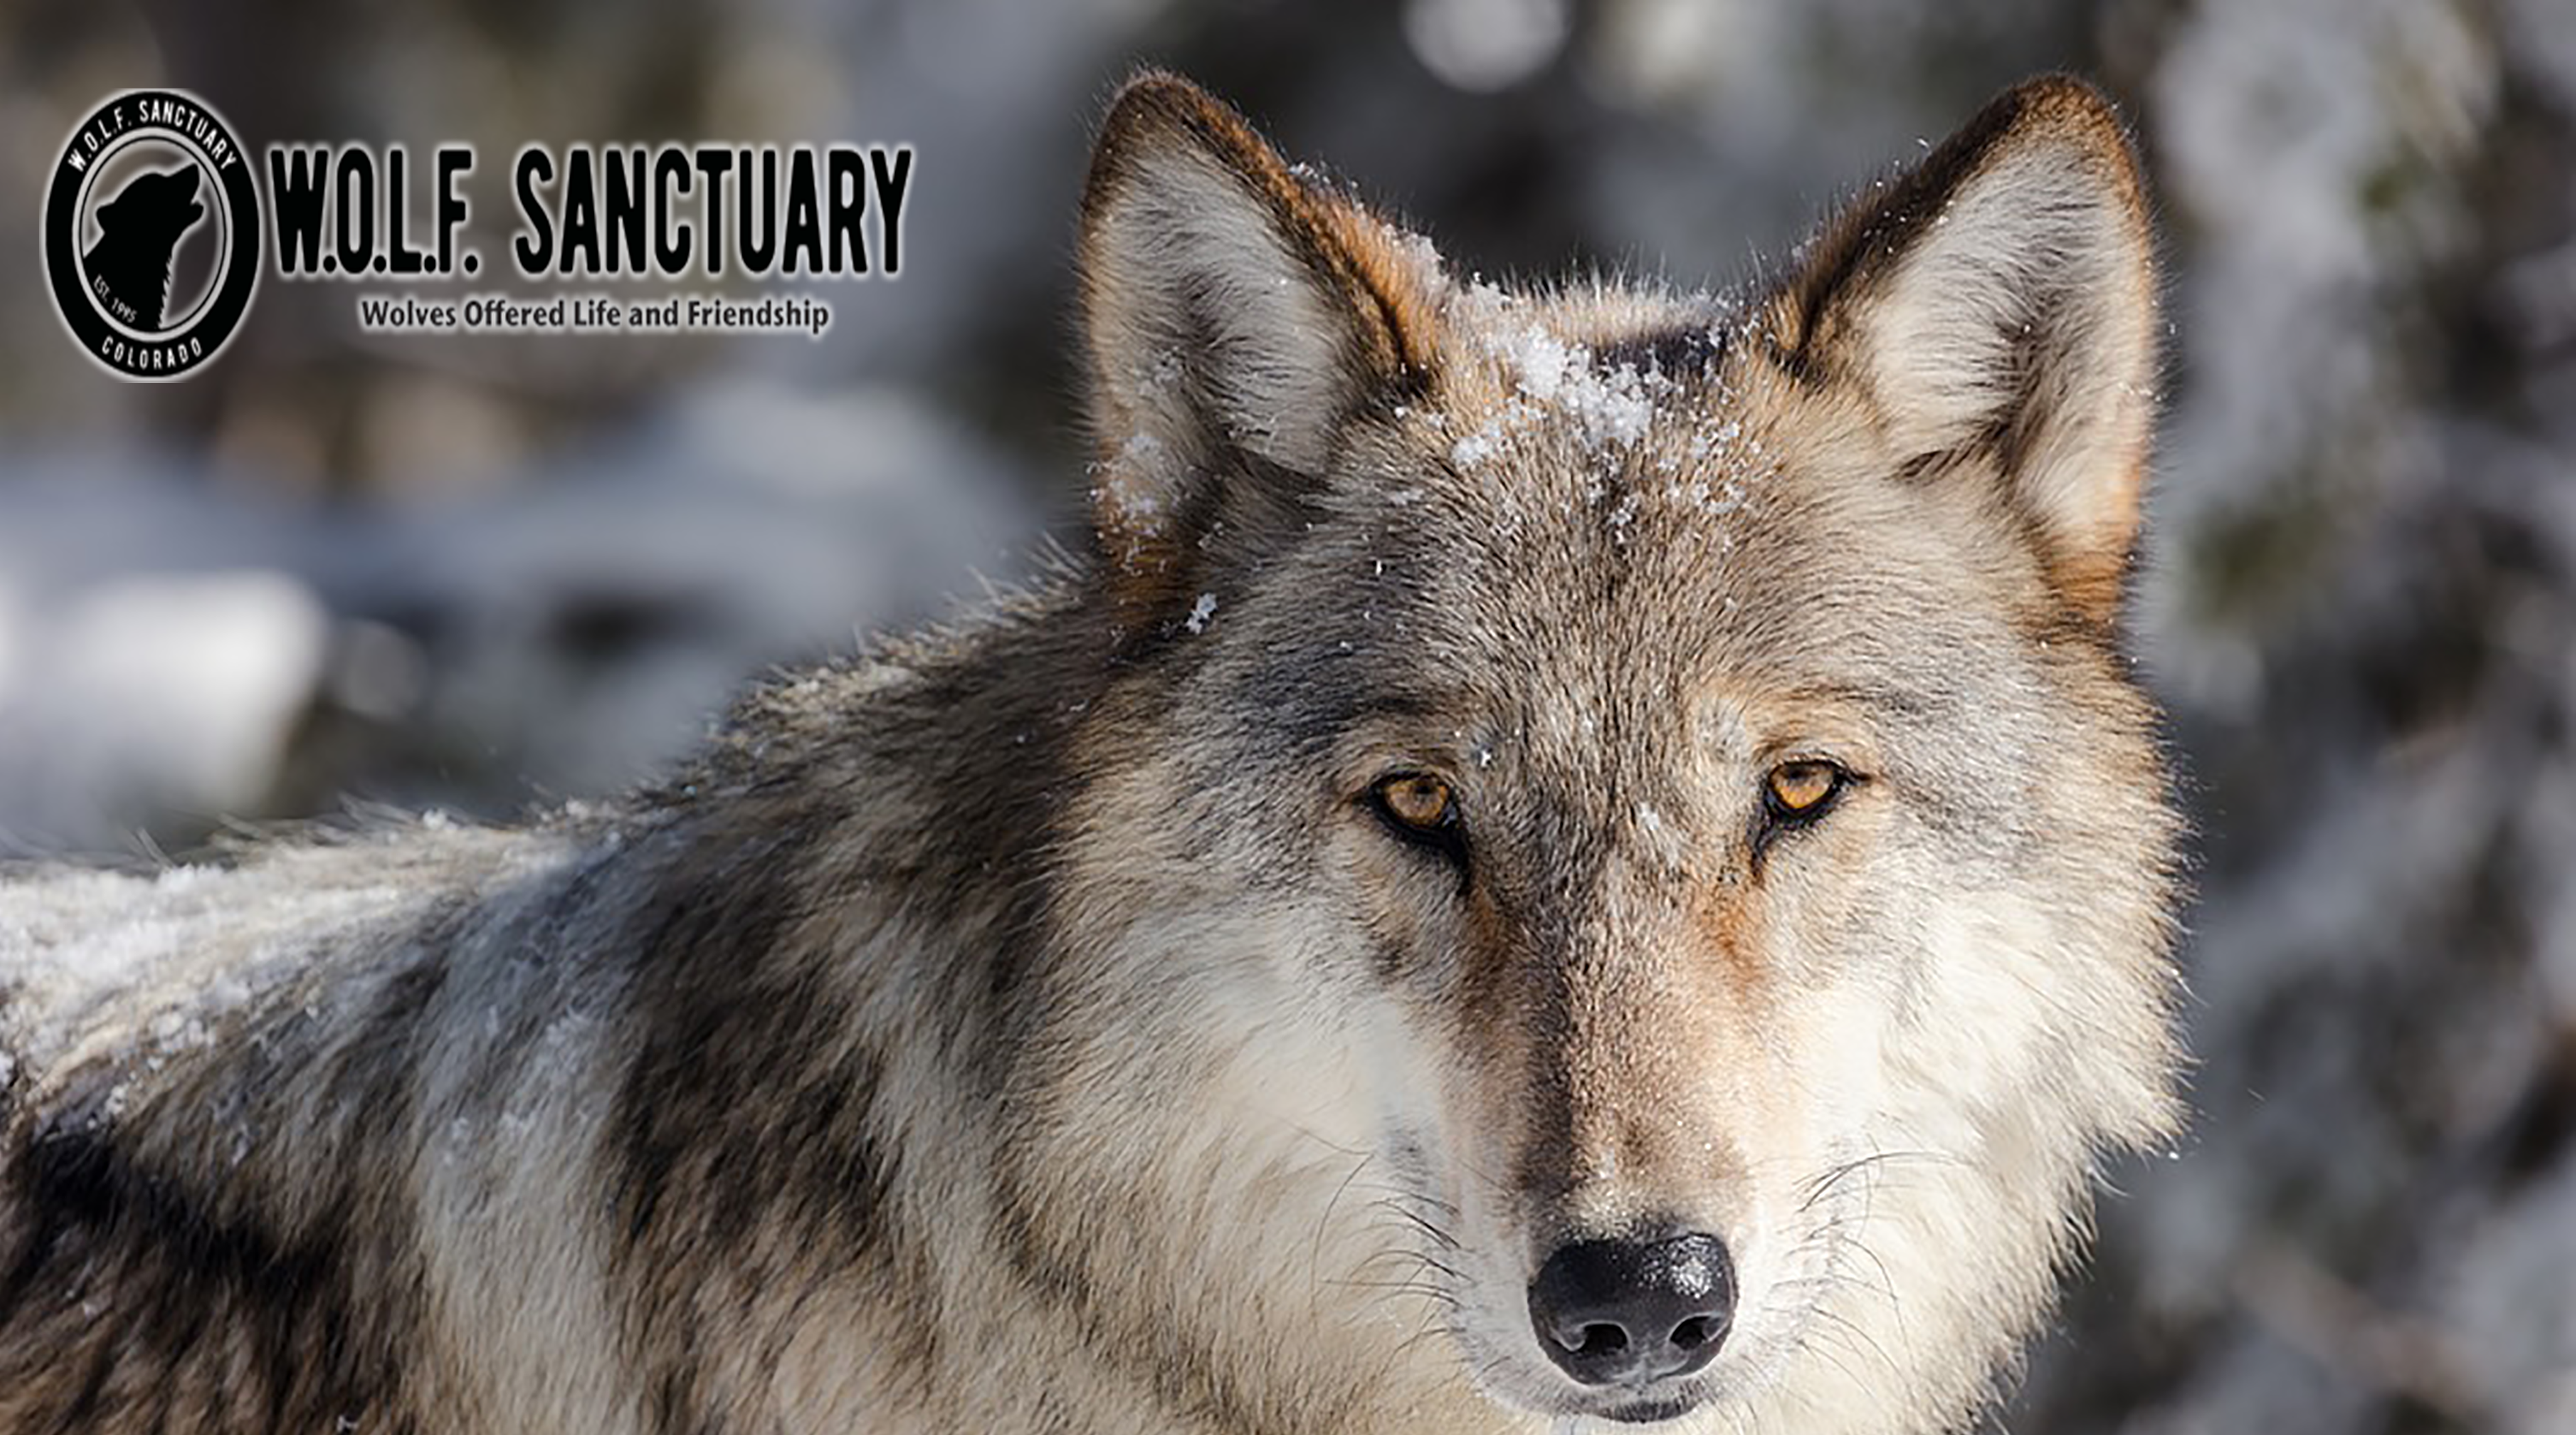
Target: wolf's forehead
<point x="1573" y="348"/>
<point x="1615" y="521"/>
<point x="1601" y="400"/>
<point x="1570" y="467"/>
<point x="1615" y="529"/>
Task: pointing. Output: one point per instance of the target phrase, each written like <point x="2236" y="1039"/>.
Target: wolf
<point x="1562" y="857"/>
<point x="129" y="266"/>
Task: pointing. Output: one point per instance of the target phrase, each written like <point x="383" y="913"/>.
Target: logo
<point x="154" y="217"/>
<point x="152" y="234"/>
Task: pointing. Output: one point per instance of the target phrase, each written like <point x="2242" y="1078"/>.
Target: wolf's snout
<point x="1630" y="1312"/>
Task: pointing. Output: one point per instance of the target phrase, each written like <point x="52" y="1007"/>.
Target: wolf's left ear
<point x="1238" y="315"/>
<point x="1997" y="302"/>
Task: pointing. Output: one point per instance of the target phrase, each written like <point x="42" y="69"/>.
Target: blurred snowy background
<point x="480" y="572"/>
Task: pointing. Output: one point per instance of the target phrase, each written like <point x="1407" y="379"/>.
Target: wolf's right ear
<point x="1996" y="304"/>
<point x="1238" y="315"/>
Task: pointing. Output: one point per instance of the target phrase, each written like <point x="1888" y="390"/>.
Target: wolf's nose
<point x="1629" y="1312"/>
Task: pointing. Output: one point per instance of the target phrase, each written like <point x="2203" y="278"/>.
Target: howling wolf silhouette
<point x="129" y="266"/>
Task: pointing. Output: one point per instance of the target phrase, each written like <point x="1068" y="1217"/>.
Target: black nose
<point x="1628" y="1312"/>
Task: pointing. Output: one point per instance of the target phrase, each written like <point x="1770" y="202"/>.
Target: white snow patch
<point x="185" y="685"/>
<point x="1200" y="612"/>
<point x="1609" y="406"/>
<point x="1131" y="481"/>
<point x="1138" y="451"/>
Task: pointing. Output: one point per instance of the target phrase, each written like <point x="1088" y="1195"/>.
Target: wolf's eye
<point x="1422" y="810"/>
<point x="1801" y="791"/>
<point x="1418" y="802"/>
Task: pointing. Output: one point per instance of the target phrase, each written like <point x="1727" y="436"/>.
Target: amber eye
<point x="1421" y="810"/>
<point x="1803" y="789"/>
<point x="1415" y="801"/>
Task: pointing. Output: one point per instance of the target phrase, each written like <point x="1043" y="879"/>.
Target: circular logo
<point x="152" y="234"/>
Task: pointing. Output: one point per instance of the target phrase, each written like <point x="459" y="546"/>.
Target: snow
<point x="154" y="963"/>
<point x="1133" y="481"/>
<point x="1608" y="406"/>
<point x="185" y="687"/>
<point x="1471" y="450"/>
<point x="163" y="636"/>
<point x="1557" y="381"/>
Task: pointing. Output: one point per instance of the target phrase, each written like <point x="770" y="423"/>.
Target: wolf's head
<point x="139" y="229"/>
<point x="1636" y="795"/>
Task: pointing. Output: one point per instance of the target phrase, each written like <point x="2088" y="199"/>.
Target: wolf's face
<point x="1663" y="765"/>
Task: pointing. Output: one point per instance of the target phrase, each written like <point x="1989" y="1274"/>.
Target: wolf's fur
<point x="1034" y="1028"/>
<point x="139" y="229"/>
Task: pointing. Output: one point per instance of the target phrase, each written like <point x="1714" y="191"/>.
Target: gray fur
<point x="1032" y="1028"/>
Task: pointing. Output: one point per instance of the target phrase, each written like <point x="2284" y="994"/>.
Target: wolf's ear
<point x="1238" y="316"/>
<point x="1997" y="303"/>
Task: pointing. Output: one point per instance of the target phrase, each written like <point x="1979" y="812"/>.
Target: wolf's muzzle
<point x="1634" y="1313"/>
